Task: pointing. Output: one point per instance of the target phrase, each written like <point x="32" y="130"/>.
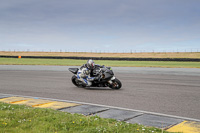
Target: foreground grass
<point x="24" y="119"/>
<point x="70" y="62"/>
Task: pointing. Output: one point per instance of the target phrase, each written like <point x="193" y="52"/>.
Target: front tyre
<point x="116" y="84"/>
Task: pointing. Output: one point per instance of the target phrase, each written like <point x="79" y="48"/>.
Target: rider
<point x="86" y="73"/>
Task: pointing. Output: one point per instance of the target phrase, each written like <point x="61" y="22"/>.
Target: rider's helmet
<point x="90" y="64"/>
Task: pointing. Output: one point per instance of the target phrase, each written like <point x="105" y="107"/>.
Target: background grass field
<point x="70" y="62"/>
<point x="122" y="55"/>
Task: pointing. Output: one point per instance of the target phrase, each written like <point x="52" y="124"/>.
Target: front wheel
<point x="116" y="84"/>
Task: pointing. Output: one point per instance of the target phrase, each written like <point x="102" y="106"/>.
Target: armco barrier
<point x="108" y="58"/>
<point x="5" y="56"/>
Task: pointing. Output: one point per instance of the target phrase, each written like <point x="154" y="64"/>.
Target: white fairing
<point x="113" y="78"/>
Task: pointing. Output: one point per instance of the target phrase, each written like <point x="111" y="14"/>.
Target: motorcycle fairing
<point x="73" y="70"/>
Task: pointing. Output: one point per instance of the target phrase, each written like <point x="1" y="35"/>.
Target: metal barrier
<point x="108" y="58"/>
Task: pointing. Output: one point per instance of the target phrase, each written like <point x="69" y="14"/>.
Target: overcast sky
<point x="100" y="25"/>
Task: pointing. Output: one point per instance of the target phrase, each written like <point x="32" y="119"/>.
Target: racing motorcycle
<point x="106" y="78"/>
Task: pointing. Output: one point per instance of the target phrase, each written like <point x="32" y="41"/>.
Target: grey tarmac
<point x="172" y="91"/>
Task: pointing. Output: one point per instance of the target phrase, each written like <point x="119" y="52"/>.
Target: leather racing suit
<point x="87" y="75"/>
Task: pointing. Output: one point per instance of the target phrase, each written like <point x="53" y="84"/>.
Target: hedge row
<point x="108" y="58"/>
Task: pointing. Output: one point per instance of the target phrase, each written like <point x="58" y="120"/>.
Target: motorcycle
<point x="106" y="78"/>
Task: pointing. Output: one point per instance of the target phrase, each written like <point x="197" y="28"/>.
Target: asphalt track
<point x="172" y="91"/>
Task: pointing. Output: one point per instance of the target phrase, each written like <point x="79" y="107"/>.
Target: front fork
<point x="111" y="80"/>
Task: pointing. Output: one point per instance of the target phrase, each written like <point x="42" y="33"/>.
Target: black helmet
<point x="90" y="64"/>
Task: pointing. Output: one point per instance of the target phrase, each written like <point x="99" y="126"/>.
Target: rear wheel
<point x="76" y="82"/>
<point x="116" y="84"/>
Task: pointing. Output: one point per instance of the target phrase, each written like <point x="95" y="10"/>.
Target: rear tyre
<point x="116" y="84"/>
<point x="76" y="82"/>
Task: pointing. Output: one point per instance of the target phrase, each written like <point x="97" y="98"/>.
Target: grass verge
<point x="24" y="119"/>
<point x="70" y="62"/>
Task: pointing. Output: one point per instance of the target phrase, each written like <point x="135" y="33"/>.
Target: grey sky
<point x="106" y="25"/>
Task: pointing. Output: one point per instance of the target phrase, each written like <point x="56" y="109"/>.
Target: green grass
<point x="24" y="119"/>
<point x="70" y="62"/>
